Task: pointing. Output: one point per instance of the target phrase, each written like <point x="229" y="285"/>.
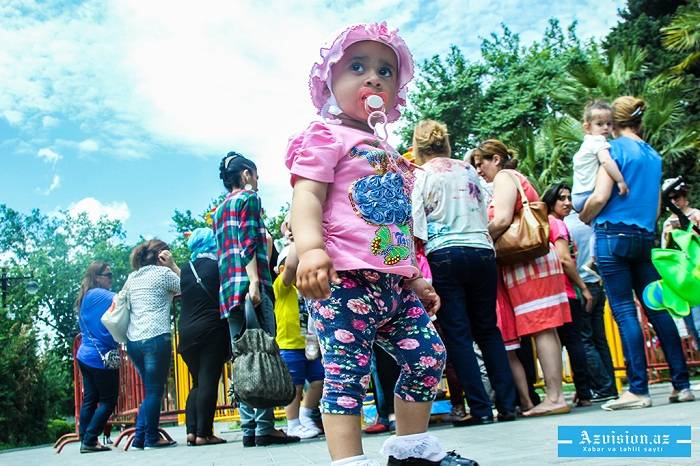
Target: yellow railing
<point x="183" y="381"/>
<point x="183" y="384"/>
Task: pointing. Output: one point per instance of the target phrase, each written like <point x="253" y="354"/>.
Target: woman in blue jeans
<point x="449" y="212"/>
<point x="624" y="233"/>
<point x="151" y="287"/>
<point x="100" y="384"/>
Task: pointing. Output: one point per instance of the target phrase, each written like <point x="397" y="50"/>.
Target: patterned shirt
<point x="449" y="207"/>
<point x="241" y="237"/>
<point x="151" y="292"/>
<point x="367" y="213"/>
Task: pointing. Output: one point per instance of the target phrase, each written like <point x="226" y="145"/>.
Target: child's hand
<point x="622" y="186"/>
<point x="254" y="293"/>
<point x="426" y="293"/>
<point x="314" y="274"/>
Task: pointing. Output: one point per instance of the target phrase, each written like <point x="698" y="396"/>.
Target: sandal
<point x="211" y="440"/>
<point x="191" y="440"/>
<point x="550" y="412"/>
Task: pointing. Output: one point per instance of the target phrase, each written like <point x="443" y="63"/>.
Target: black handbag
<point x="260" y="377"/>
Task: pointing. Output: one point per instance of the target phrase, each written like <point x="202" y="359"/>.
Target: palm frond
<point x="683" y="33"/>
<point x="673" y="145"/>
<point x="687" y="62"/>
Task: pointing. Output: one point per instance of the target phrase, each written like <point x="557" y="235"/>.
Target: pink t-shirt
<point x="558" y="230"/>
<point x="367" y="213"/>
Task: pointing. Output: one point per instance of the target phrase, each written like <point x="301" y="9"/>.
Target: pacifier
<point x="376" y="116"/>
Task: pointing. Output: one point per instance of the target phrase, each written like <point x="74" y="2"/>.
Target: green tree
<point x="683" y="35"/>
<point x="449" y="90"/>
<point x="640" y="27"/>
<point x="56" y="250"/>
<point x="36" y="332"/>
<point x="667" y="125"/>
<point x="508" y="95"/>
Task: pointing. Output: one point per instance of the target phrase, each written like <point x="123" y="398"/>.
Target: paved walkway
<point x="523" y="442"/>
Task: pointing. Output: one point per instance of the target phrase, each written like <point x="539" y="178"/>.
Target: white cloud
<point x="55" y="183"/>
<point x="151" y="76"/>
<point x="96" y="209"/>
<point x="48" y="155"/>
<point x="49" y="122"/>
<point x="13" y="117"/>
<point x="88" y="145"/>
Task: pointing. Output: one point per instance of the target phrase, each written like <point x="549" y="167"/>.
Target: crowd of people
<point x="388" y="265"/>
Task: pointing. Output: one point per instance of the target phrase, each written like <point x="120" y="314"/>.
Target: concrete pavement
<point x="522" y="443"/>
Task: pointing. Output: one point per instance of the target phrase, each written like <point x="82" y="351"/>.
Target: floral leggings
<point x="368" y="306"/>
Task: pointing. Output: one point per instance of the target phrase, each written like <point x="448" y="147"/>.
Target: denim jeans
<point x="152" y="360"/>
<point x="465" y="280"/>
<point x="100" y="393"/>
<point x="255" y="422"/>
<point x="624" y="258"/>
<point x="600" y="366"/>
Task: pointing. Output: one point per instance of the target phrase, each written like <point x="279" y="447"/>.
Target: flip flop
<point x="563" y="410"/>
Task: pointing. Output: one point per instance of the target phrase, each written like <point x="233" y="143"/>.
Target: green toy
<point x="679" y="287"/>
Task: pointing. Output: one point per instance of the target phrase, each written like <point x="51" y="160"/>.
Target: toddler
<point x="594" y="153"/>
<point x="291" y="317"/>
<point x="351" y="217"/>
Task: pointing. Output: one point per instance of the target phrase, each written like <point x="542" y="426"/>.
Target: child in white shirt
<point x="594" y="153"/>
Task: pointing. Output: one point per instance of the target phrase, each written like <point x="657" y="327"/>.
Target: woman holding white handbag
<point x="100" y="370"/>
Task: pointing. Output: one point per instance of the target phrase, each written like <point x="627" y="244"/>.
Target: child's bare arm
<point x="290" y="266"/>
<point x="607" y="162"/>
<point x="600" y="196"/>
<point x="315" y="267"/>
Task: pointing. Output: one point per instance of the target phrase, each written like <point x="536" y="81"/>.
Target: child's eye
<point x="385" y="72"/>
<point x="357" y="67"/>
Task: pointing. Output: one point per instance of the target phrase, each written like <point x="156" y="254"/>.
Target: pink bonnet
<point x="330" y="55"/>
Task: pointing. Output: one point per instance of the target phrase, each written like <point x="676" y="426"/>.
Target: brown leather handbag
<point x="527" y="237"/>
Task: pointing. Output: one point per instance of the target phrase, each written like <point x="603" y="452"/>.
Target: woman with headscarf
<point x="204" y="337"/>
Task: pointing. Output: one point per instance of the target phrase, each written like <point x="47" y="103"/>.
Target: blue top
<point x="95" y="303"/>
<point x="641" y="167"/>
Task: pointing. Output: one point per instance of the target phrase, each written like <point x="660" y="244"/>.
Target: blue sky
<point x="125" y="108"/>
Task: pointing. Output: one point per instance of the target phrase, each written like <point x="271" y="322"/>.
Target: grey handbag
<point x="260" y="377"/>
<point x="111" y="359"/>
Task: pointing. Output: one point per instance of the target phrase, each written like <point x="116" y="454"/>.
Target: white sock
<point x="421" y="445"/>
<point x="350" y="461"/>
<point x="305" y="417"/>
<point x="292" y="423"/>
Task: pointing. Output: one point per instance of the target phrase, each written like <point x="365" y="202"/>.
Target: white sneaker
<point x="628" y="400"/>
<point x="695" y="387"/>
<point x="681" y="396"/>
<point x="303" y="432"/>
<point x="309" y="424"/>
